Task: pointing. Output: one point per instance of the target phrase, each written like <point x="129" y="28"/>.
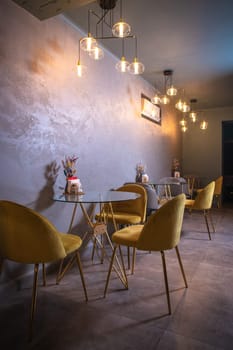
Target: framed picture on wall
<point x="150" y="111"/>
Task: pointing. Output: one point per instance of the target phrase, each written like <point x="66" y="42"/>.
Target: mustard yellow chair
<point x="130" y="212"/>
<point x="218" y="191"/>
<point x="161" y="232"/>
<point x="29" y="238"/>
<point x="203" y="202"/>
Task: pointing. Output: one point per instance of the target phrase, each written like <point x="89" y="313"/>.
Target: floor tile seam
<point x="194" y="339"/>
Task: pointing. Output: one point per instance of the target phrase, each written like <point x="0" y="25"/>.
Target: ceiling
<point x="194" y="38"/>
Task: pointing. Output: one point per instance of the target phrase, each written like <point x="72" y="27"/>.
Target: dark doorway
<point x="227" y="160"/>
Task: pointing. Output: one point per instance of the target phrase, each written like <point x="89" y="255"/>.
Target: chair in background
<point x="161" y="232"/>
<point x="130" y="212"/>
<point x="29" y="238"/>
<point x="218" y="191"/>
<point x="203" y="202"/>
<point x="191" y="185"/>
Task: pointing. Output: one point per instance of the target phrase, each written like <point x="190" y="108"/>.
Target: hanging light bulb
<point x="136" y="67"/>
<point x="164" y="100"/>
<point x="121" y="29"/>
<point x="185" y="108"/>
<point x="179" y="105"/>
<point x="172" y="91"/>
<point x="193" y="113"/>
<point x="155" y="99"/>
<point x="80" y="69"/>
<point x="122" y="65"/>
<point x="193" y="116"/>
<point x="204" y="125"/>
<point x="88" y="43"/>
<point x="184" y="128"/>
<point x="183" y="122"/>
<point x="97" y="53"/>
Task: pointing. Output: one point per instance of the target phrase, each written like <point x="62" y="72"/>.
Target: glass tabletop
<point x="96" y="197"/>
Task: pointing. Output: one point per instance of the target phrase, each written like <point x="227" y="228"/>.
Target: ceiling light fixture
<point x="120" y="30"/>
<point x="193" y="113"/>
<point x="171" y="90"/>
<point x="136" y="67"/>
<point x="164" y="99"/>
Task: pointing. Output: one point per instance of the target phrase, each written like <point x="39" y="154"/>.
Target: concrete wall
<point x="202" y="150"/>
<point x="47" y="112"/>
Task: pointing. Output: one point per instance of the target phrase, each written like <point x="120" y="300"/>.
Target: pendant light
<point x="164" y="99"/>
<point x="193" y="113"/>
<point x="171" y="90"/>
<point x="136" y="67"/>
<point x="97" y="53"/>
<point x="203" y="125"/>
<point x="121" y="29"/>
<point x="122" y="65"/>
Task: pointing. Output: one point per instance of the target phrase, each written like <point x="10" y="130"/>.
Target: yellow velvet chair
<point x="218" y="191"/>
<point x="29" y="238"/>
<point x="130" y="212"/>
<point x="161" y="232"/>
<point x="203" y="202"/>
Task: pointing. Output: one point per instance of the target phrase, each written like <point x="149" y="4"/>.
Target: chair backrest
<point x="26" y="236"/>
<point x="204" y="198"/>
<point x="137" y="206"/>
<point x="218" y="185"/>
<point x="162" y="230"/>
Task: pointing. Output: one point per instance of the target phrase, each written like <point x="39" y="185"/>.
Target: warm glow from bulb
<point x="155" y="99"/>
<point x="88" y="43"/>
<point x="193" y="116"/>
<point x="121" y="29"/>
<point x="136" y="67"/>
<point x="172" y="91"/>
<point x="122" y="65"/>
<point x="97" y="53"/>
<point x="203" y="125"/>
<point x="164" y="100"/>
<point x="185" y="108"/>
<point x="79" y="70"/>
<point x="179" y="105"/>
<point x="184" y="128"/>
<point x="183" y="122"/>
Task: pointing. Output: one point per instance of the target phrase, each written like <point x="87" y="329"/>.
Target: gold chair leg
<point x="133" y="260"/>
<point x="110" y="270"/>
<point x="61" y="272"/>
<point x="207" y="224"/>
<point x="166" y="281"/>
<point x="124" y="280"/>
<point x="33" y="303"/>
<point x="81" y="274"/>
<point x="181" y="266"/>
<point x="128" y="255"/>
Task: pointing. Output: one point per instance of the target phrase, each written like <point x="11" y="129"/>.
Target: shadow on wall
<point x="44" y="199"/>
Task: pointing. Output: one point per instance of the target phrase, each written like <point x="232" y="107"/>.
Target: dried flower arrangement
<point x="69" y="166"/>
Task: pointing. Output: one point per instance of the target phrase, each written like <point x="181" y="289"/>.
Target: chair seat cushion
<point x="122" y="218"/>
<point x="70" y="242"/>
<point x="128" y="236"/>
<point x="189" y="203"/>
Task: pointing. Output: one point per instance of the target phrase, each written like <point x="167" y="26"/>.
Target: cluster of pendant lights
<point x="181" y="104"/>
<point x="121" y="30"/>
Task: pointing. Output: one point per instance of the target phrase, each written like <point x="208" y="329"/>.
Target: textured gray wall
<point x="202" y="150"/>
<point x="47" y="112"/>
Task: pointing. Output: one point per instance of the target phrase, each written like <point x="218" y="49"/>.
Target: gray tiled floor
<point x="137" y="318"/>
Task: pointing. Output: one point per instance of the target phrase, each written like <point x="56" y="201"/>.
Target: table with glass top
<point x="104" y="199"/>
